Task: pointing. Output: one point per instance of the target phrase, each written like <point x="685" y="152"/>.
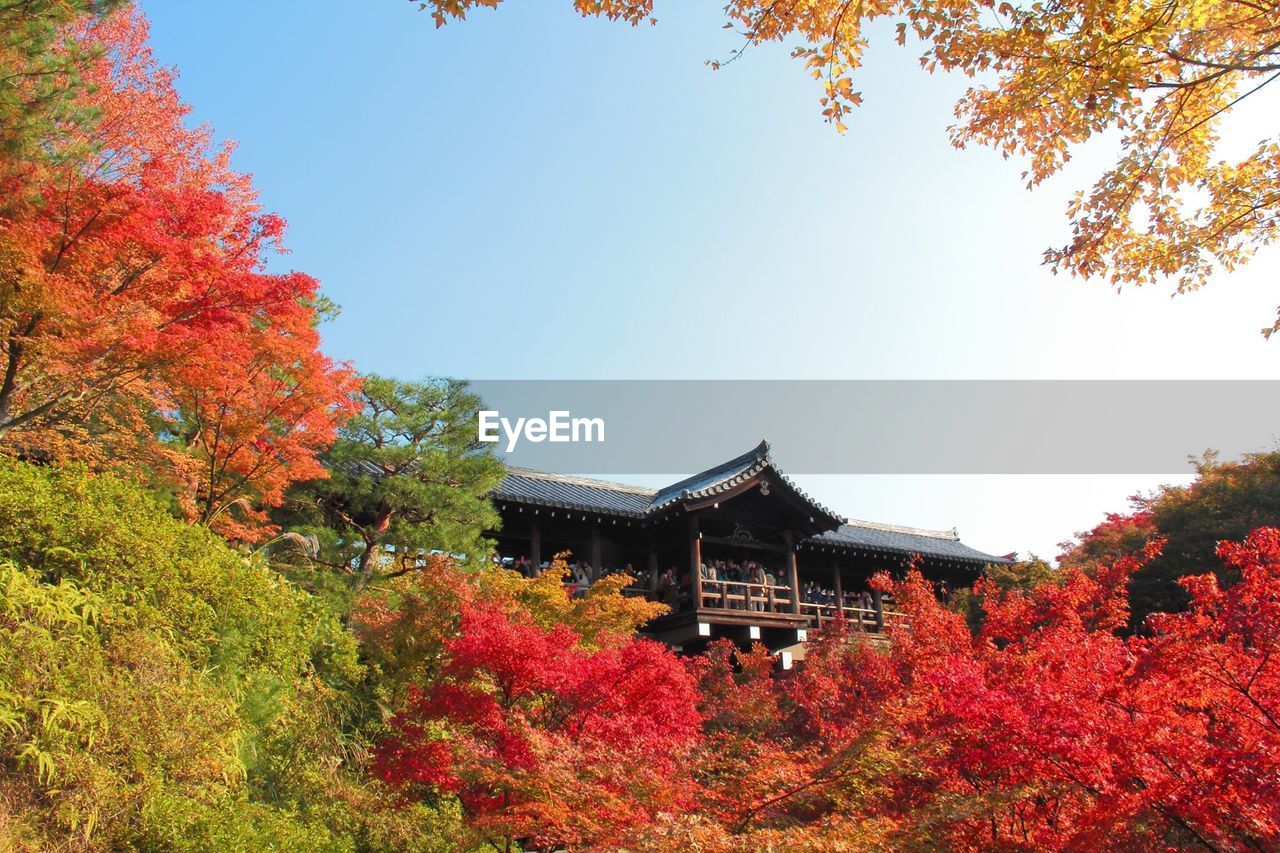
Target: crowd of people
<point x="814" y="593"/>
<point x="727" y="570"/>
<point x="755" y="578"/>
<point x="581" y="573"/>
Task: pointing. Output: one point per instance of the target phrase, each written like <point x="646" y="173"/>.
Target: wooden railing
<point x="868" y="619"/>
<point x="727" y="595"/>
<point x="746" y="597"/>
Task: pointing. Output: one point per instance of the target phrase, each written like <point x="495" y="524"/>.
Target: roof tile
<point x="541" y="488"/>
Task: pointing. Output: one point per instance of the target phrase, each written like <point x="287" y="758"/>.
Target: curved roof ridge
<point x="752" y="458"/>
<point x="902" y="528"/>
<point x="726" y="475"/>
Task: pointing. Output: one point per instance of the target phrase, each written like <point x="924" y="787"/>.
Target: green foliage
<point x="158" y="575"/>
<point x="1226" y="501"/>
<point x="408" y="471"/>
<point x="229" y="823"/>
<point x="159" y="689"/>
<point x="39" y="67"/>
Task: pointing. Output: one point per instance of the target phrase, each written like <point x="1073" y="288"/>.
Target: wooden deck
<point x="759" y="613"/>
<point x="691" y="630"/>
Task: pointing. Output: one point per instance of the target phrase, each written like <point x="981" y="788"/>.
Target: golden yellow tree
<point x="1050" y="75"/>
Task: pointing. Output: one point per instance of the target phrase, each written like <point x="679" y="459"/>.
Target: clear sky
<point x="528" y="194"/>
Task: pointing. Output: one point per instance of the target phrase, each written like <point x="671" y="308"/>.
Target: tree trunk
<point x="368" y="558"/>
<point x="373" y="542"/>
<point x="9" y="383"/>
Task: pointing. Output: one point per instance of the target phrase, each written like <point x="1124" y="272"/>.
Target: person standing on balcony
<point x="709" y="576"/>
<point x="755" y="577"/>
<point x="669" y="589"/>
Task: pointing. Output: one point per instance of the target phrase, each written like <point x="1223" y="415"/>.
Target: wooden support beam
<point x="835" y="570"/>
<point x="535" y="547"/>
<point x="695" y="561"/>
<point x="653" y="568"/>
<point x="793" y="570"/>
<point x="597" y="548"/>
<point x="740" y="543"/>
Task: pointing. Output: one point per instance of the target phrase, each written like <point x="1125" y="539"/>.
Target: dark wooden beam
<point x="793" y="570"/>
<point x="835" y="570"/>
<point x="743" y="543"/>
<point x="695" y="562"/>
<point x="535" y="547"/>
<point x="653" y="567"/>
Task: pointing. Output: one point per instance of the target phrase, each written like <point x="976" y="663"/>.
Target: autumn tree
<point x="1222" y="652"/>
<point x="544" y="714"/>
<point x="770" y="775"/>
<point x="404" y="620"/>
<point x="251" y="416"/>
<point x="134" y="296"/>
<point x="1225" y="501"/>
<point x="1162" y="76"/>
<point x="1021" y="574"/>
<point x="406" y="470"/>
<point x="1048" y="729"/>
<point x="1076" y="736"/>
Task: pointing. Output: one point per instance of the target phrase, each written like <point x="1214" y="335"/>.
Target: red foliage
<point x="1216" y="669"/>
<point x="134" y="264"/>
<point x="255" y="408"/>
<point x="543" y="739"/>
<point x="1116" y="536"/>
<point x="1049" y="729"/>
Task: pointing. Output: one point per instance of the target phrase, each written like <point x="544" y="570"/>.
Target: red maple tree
<point x="545" y="740"/>
<point x="134" y="282"/>
<point x="1050" y="728"/>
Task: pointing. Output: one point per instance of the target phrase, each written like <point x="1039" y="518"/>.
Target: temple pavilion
<point x="737" y="550"/>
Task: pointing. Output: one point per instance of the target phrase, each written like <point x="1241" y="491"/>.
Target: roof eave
<point x="543" y="503"/>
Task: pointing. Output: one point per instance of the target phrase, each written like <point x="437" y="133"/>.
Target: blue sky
<point x="529" y="194"/>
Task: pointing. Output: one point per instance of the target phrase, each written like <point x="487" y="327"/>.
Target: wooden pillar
<point x="793" y="570"/>
<point x="653" y="568"/>
<point x="535" y="547"/>
<point x="877" y="603"/>
<point x="596" y="549"/>
<point x="835" y="570"/>
<point x="695" y="562"/>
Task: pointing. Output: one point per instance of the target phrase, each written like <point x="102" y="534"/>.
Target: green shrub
<point x="160" y="690"/>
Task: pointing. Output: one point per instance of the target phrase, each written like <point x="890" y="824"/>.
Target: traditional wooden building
<point x="737" y="550"/>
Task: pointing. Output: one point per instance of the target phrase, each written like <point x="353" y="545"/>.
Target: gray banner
<point x="878" y="426"/>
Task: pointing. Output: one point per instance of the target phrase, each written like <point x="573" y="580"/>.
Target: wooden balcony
<point x="868" y="619"/>
<point x="749" y="612"/>
<point x="746" y="597"/>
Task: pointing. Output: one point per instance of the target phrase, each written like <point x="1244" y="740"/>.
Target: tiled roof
<point x="887" y="538"/>
<point x="714" y="480"/>
<point x="524" y="485"/>
<point x="724" y="477"/>
<point x="541" y="488"/>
